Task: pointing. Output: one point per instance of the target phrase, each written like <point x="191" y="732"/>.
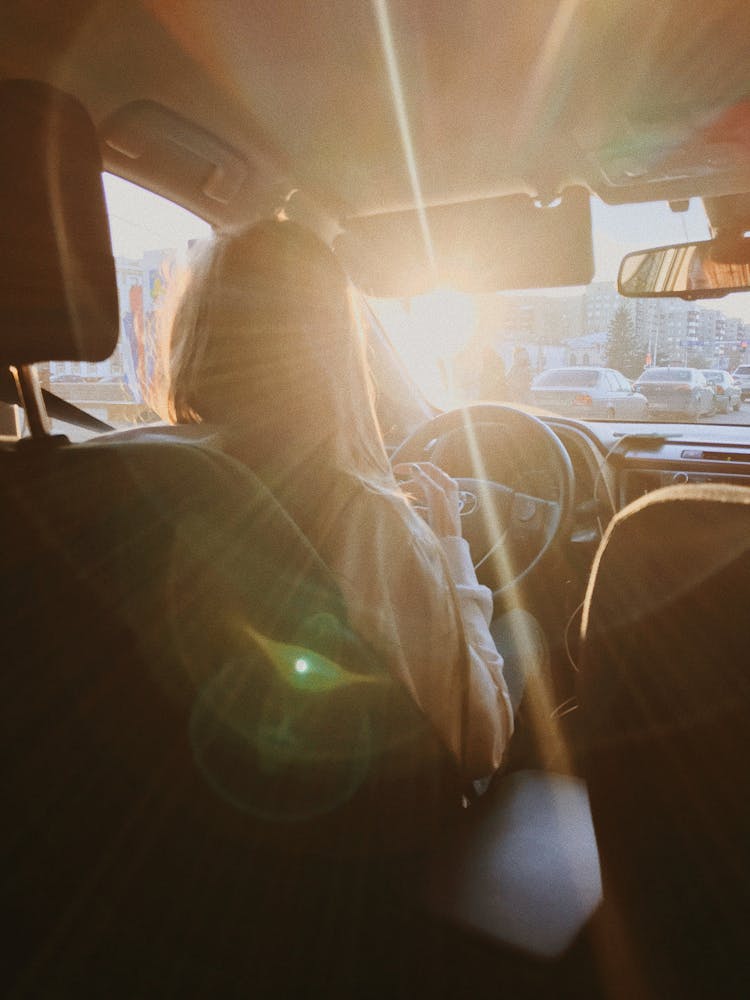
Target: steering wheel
<point x="509" y="530"/>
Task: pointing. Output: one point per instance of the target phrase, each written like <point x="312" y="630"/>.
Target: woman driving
<point x="265" y="343"/>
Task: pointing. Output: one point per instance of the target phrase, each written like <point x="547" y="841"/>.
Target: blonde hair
<point x="266" y="342"/>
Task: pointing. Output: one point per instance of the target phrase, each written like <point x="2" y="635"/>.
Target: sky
<point x="619" y="229"/>
<point x="140" y="220"/>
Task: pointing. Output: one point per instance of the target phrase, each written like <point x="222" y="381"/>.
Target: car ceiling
<point x="370" y="107"/>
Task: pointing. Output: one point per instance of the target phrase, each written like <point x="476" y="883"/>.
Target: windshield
<point x="457" y="347"/>
<point x="460" y="347"/>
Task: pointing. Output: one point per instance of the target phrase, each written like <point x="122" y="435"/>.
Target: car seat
<point x="665" y="702"/>
<point x="173" y="823"/>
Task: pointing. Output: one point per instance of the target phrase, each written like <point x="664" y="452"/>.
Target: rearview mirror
<point x="705" y="270"/>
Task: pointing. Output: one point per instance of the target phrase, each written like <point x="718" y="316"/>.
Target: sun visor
<point x="479" y="246"/>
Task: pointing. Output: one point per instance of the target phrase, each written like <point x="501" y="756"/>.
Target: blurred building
<point x="121" y="389"/>
<point x="555" y="329"/>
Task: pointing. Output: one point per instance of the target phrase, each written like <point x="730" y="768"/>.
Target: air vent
<point x="716" y="456"/>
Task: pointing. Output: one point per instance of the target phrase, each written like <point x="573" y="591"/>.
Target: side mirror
<point x="705" y="270"/>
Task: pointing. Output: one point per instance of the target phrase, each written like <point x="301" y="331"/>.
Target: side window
<point x="151" y="238"/>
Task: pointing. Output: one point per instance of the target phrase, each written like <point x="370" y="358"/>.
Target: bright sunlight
<point x="428" y="331"/>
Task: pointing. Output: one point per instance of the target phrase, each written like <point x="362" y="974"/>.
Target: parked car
<point x="726" y="389"/>
<point x="676" y="392"/>
<point x="742" y="374"/>
<point x="589" y="392"/>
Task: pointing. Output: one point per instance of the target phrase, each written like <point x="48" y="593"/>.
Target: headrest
<point x="58" y="290"/>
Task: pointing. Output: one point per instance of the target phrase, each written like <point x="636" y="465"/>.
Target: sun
<point x="428" y="331"/>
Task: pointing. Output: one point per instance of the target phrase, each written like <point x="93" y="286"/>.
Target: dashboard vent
<point x="716" y="456"/>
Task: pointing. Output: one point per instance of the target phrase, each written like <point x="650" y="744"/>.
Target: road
<point x="741" y="416"/>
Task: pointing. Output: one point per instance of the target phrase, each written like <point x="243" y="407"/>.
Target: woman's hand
<point x="435" y="496"/>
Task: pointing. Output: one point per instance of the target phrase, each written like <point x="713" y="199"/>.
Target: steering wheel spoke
<point x="486" y="511"/>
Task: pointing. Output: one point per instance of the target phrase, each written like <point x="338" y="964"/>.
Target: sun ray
<point x="399" y="105"/>
<point x="539" y="695"/>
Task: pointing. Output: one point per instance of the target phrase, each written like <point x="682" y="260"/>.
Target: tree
<point x="696" y="360"/>
<point x="625" y="349"/>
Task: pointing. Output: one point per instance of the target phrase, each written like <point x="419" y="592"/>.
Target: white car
<point x="676" y="392"/>
<point x="727" y="392"/>
<point x="601" y="393"/>
<point x="742" y="374"/>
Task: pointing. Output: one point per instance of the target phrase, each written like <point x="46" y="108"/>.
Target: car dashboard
<point x="636" y="458"/>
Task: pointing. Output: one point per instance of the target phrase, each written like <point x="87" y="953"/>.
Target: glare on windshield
<point x="460" y="347"/>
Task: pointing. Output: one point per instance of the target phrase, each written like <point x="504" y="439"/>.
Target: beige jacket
<point x="416" y="599"/>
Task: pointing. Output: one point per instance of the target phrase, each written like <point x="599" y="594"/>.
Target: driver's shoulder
<point x="378" y="519"/>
